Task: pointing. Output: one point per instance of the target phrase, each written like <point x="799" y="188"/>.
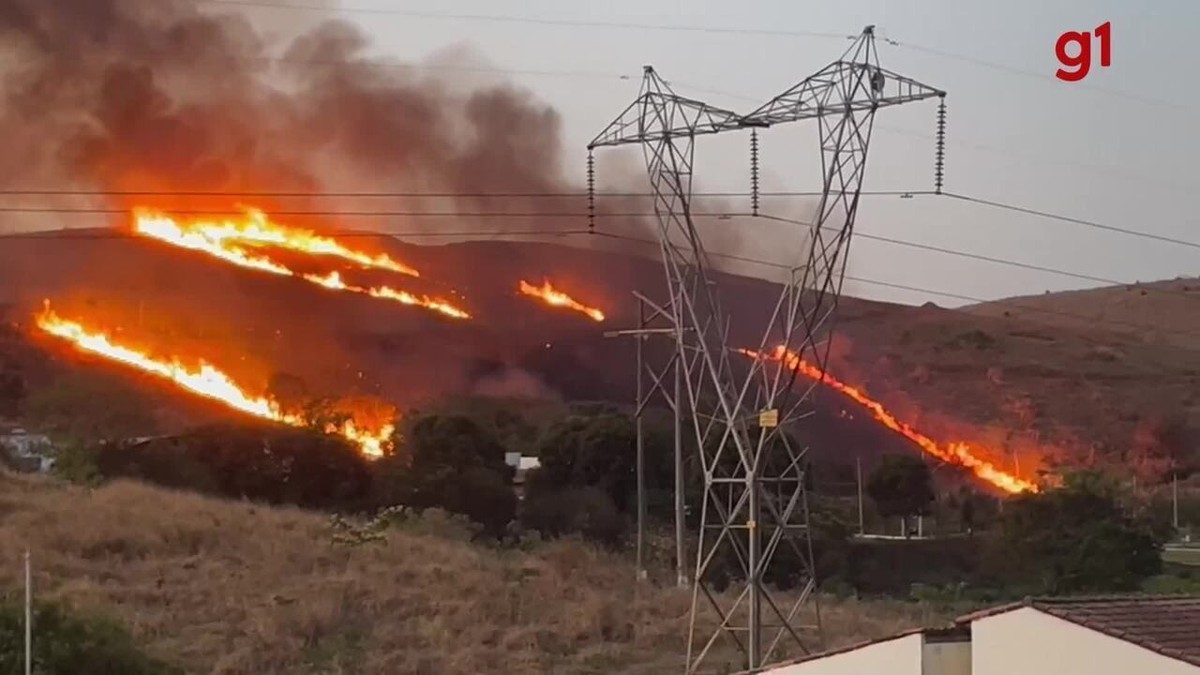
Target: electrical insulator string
<point x="754" y="171"/>
<point x="940" y="162"/>
<point x="591" y="191"/>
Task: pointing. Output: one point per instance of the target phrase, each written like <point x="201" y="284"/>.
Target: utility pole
<point x="1175" y="500"/>
<point x="644" y="395"/>
<point x="28" y="615"/>
<point x="641" y="452"/>
<point x="858" y="482"/>
<point x="681" y="577"/>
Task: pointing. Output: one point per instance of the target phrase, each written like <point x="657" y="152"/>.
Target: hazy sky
<point x="1118" y="148"/>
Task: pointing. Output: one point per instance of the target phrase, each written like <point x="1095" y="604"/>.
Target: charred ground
<point x="1024" y="383"/>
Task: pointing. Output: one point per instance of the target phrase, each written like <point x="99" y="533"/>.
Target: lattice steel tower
<point x="754" y="503"/>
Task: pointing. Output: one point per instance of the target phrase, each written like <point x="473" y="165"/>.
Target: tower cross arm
<point x="839" y="88"/>
<point x="659" y="113"/>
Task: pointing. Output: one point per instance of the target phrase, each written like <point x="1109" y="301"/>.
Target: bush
<point x="448" y="461"/>
<point x="1079" y="538"/>
<point x="78" y="464"/>
<point x="65" y="644"/>
<point x="583" y="511"/>
<point x="266" y="463"/>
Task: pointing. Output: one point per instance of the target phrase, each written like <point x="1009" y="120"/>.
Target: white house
<point x="1140" y="635"/>
<point x="25" y="449"/>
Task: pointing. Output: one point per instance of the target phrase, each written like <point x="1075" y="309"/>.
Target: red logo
<point x="1077" y="66"/>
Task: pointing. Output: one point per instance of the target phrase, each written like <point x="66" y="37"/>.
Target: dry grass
<point x="227" y="587"/>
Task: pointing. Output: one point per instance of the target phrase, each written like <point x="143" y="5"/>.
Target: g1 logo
<point x="1077" y="67"/>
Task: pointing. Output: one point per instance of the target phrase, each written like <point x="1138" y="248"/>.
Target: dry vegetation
<point x="227" y="587"/>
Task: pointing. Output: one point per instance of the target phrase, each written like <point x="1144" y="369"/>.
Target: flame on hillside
<point x="548" y="294"/>
<point x="205" y="380"/>
<point x="229" y="240"/>
<point x="334" y="281"/>
<point x="958" y="453"/>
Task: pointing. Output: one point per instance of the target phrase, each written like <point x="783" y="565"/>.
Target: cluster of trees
<point x="1084" y="535"/>
<point x="446" y="458"/>
<point x="1088" y="534"/>
<point x="66" y="643"/>
<point x="13" y="387"/>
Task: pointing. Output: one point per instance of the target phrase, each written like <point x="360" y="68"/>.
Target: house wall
<point x="901" y="656"/>
<point x="946" y="658"/>
<point x="1030" y="642"/>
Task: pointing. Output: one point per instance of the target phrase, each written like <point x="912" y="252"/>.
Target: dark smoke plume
<point x="165" y="95"/>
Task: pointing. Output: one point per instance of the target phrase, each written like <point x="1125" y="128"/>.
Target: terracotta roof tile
<point x="1169" y="625"/>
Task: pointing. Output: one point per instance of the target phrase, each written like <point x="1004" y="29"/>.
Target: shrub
<point x="67" y="644"/>
<point x="583" y="511"/>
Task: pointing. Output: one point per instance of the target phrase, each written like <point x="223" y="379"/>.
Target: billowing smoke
<point x="174" y="96"/>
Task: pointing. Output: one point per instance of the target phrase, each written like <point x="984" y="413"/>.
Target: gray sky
<point x="1117" y="148"/>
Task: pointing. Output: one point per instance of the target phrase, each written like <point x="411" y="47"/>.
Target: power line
<point x="496" y="18"/>
<point x="121" y="234"/>
<point x="390" y="194"/>
<point x="965" y="254"/>
<point x="1069" y="219"/>
<point x="759" y="32"/>
<point x="118" y="234"/>
<point x="382" y="213"/>
<point x="1029" y="158"/>
<point x="930" y="291"/>
<point x="52" y="235"/>
<point x="984" y="63"/>
<point x="991" y="259"/>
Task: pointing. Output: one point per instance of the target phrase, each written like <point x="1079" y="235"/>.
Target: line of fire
<point x="247" y="241"/>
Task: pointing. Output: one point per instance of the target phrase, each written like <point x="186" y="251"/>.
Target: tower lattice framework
<point x="754" y="513"/>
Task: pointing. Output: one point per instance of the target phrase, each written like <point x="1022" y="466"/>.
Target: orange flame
<point x="333" y="281"/>
<point x="205" y="380"/>
<point x="226" y="239"/>
<point x="547" y="293"/>
<point x="956" y="453"/>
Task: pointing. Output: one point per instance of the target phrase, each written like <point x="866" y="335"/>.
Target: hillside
<point x="1028" y="389"/>
<point x="233" y="588"/>
<point x="1165" y="312"/>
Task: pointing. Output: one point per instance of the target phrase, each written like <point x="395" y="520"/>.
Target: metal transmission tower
<point x="843" y="97"/>
<point x="754" y="509"/>
<point x="666" y="126"/>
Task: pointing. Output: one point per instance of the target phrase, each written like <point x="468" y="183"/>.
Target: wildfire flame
<point x="955" y="452"/>
<point x="227" y="240"/>
<point x="557" y="298"/>
<point x="334" y="281"/>
<point x="205" y="380"/>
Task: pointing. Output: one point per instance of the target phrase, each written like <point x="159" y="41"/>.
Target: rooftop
<point x="1169" y="625"/>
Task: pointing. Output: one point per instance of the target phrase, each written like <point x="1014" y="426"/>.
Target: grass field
<point x="231" y="588"/>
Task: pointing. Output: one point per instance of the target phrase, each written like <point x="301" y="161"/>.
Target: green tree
<point x="260" y="462"/>
<point x="598" y="448"/>
<point x="1163" y="445"/>
<point x="12" y="387"/>
<point x="85" y="408"/>
<point x="585" y="511"/>
<point x="451" y="462"/>
<point x="901" y="486"/>
<point x="1081" y="537"/>
<point x="66" y="644"/>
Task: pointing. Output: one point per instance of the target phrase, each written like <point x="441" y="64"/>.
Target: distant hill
<point x="1027" y="384"/>
<point x="1157" y="312"/>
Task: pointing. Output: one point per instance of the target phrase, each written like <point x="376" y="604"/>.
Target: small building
<point x="26" y="451"/>
<point x="522" y="465"/>
<point x="1140" y="635"/>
